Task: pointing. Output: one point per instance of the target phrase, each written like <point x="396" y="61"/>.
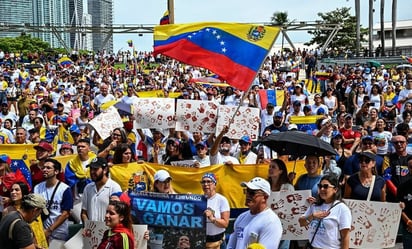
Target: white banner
<point x="154" y="113"/>
<point x="196" y="115"/>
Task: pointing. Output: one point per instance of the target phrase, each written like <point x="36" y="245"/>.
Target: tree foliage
<point x="346" y="36"/>
<point x="279" y="18"/>
<point x="23" y="43"/>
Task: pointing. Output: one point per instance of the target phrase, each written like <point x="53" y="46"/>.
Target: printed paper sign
<point x="245" y="122"/>
<point x="106" y="122"/>
<point x="375" y="224"/>
<point x="155" y="113"/>
<point x="196" y="115"/>
<point x="289" y="206"/>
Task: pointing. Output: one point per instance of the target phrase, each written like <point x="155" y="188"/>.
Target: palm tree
<point x="371" y="10"/>
<point x="394" y="17"/>
<point x="280" y="19"/>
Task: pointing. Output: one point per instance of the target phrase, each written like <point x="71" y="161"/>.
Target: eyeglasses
<point x="206" y="182"/>
<point x="367" y="143"/>
<point x="325" y="186"/>
<point x="364" y="160"/>
<point x="399" y="142"/>
<point x="116" y="135"/>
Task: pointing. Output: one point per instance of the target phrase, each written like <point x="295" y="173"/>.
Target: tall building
<point x="76" y="16"/>
<point x="101" y="12"/>
<point x="52" y="12"/>
<point x="15" y="12"/>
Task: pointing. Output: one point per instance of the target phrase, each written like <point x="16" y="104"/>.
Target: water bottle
<point x="253" y="238"/>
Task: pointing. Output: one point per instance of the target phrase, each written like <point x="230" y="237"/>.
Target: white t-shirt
<point x="219" y="204"/>
<point x="95" y="203"/>
<point x="221" y="159"/>
<point x="328" y="234"/>
<point x="264" y="226"/>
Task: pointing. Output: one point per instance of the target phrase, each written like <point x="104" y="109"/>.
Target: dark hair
<point x="333" y="180"/>
<point x="118" y="152"/>
<point x="24" y="190"/>
<point x="84" y="140"/>
<point x="283" y="178"/>
<point x="123" y="134"/>
<point x="123" y="209"/>
<point x="56" y="164"/>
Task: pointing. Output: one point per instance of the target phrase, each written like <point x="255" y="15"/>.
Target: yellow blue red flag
<point x="165" y="18"/>
<point x="233" y="51"/>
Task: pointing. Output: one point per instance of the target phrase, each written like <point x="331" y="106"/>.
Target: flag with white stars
<point x="20" y="165"/>
<point x="233" y="51"/>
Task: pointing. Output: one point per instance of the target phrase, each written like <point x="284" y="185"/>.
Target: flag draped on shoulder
<point x="233" y="51"/>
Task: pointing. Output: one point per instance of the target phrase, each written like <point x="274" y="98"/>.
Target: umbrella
<point x="126" y="108"/>
<point x="297" y="143"/>
<point x="373" y="63"/>
<point x="404" y="66"/>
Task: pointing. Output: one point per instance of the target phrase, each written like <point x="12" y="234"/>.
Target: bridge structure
<point x="140" y="29"/>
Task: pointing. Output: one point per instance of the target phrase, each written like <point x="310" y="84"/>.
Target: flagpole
<point x="250" y="85"/>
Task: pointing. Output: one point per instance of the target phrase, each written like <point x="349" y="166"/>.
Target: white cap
<point x="292" y="127"/>
<point x="257" y="183"/>
<point x="162" y="175"/>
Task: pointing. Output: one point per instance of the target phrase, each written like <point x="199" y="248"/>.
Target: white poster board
<point x="289" y="206"/>
<point x="375" y="224"/>
<point x="245" y="122"/>
<point x="154" y="113"/>
<point x="196" y="115"/>
<point x="95" y="231"/>
<point x="106" y="122"/>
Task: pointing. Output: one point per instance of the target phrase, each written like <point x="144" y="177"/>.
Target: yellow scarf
<point x="77" y="167"/>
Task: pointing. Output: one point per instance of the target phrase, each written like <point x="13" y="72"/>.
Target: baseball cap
<point x="201" y="145"/>
<point x="364" y="138"/>
<point x="44" y="145"/>
<point x="211" y="176"/>
<point x="5" y="159"/>
<point x="98" y="162"/>
<point x="66" y="146"/>
<point x="257" y="183"/>
<point x="162" y="175"/>
<point x="348" y="115"/>
<point x="270" y="105"/>
<point x="292" y="127"/>
<point x="74" y="129"/>
<point x="36" y="201"/>
<point x="297" y="103"/>
<point x="279" y="114"/>
<point x="246" y="139"/>
<point x="173" y="141"/>
<point x="298" y="85"/>
<point x="368" y="154"/>
<point x="336" y="134"/>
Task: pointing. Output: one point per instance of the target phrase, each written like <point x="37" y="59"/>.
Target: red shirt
<point x="349" y="134"/>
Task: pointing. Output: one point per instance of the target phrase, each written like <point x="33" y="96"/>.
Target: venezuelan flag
<point x="130" y="43"/>
<point x="408" y="59"/>
<point x="233" y="51"/>
<point x="165" y="18"/>
<point x="65" y="61"/>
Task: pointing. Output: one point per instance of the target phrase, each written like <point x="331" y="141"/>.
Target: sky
<point x="243" y="11"/>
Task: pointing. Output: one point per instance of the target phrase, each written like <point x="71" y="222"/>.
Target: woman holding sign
<point x="217" y="213"/>
<point x="329" y="219"/>
<point x="120" y="232"/>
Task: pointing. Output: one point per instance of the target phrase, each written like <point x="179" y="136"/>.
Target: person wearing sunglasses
<point x="329" y="219"/>
<point x="217" y="213"/>
<point x="358" y="185"/>
<point x="259" y="224"/>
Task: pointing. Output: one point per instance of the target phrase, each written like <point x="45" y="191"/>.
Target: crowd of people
<point x="363" y="112"/>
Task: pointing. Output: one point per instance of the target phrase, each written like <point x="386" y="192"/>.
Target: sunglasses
<point x="398" y="142"/>
<point x="364" y="160"/>
<point x="251" y="192"/>
<point x="325" y="186"/>
<point x="206" y="182"/>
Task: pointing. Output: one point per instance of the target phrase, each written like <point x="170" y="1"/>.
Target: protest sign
<point x="195" y="115"/>
<point x="106" y="122"/>
<point x="246" y="121"/>
<point x="170" y="216"/>
<point x="289" y="206"/>
<point x="154" y="113"/>
<point x="375" y="224"/>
